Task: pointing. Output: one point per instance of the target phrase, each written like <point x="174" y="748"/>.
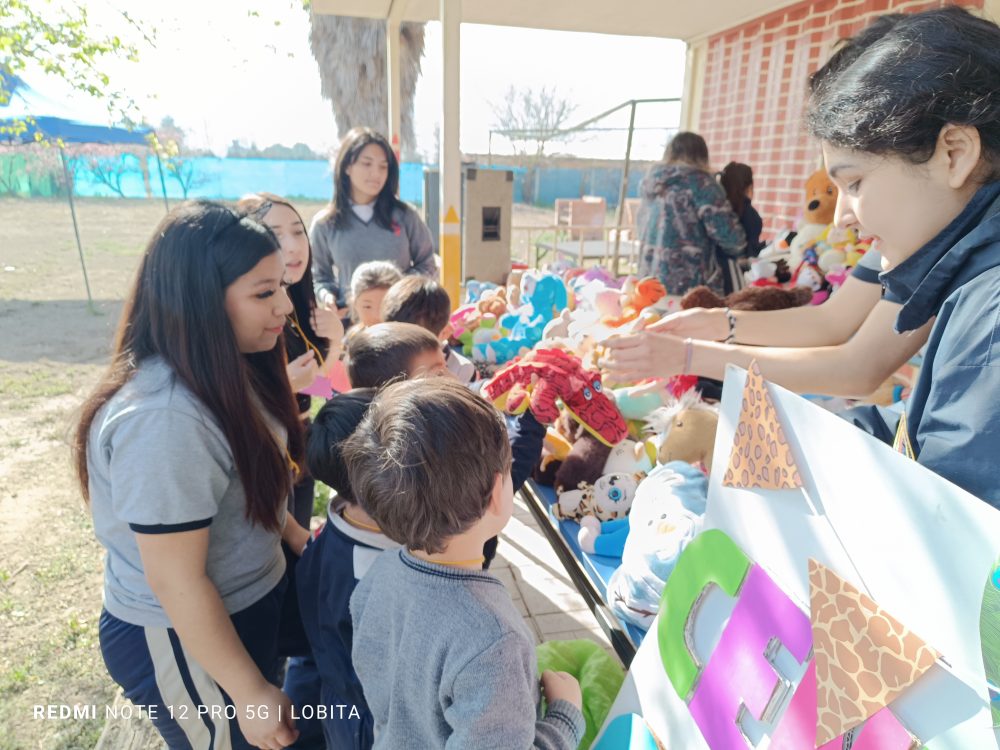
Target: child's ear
<point x="496" y="496"/>
<point x="446" y="333"/>
<point x="962" y="147"/>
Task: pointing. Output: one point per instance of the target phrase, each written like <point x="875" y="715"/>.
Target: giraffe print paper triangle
<point x="865" y="658"/>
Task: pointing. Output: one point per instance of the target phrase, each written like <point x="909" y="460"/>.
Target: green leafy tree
<point x="168" y="144"/>
<point x="57" y="38"/>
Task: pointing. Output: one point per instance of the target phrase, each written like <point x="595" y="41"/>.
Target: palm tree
<point x="351" y="53"/>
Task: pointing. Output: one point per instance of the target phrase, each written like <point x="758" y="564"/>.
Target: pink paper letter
<point x="738" y="672"/>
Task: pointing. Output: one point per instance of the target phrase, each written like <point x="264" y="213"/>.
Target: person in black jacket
<point x="737" y="181"/>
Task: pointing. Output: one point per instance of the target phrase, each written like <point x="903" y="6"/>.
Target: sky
<point x="243" y="71"/>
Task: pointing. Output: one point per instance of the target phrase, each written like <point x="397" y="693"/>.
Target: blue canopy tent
<point x="29" y="116"/>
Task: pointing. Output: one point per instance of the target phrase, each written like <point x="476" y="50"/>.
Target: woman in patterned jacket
<point x="685" y="220"/>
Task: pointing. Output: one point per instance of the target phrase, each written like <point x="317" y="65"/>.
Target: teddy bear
<point x="748" y="298"/>
<point x="820" y="204"/>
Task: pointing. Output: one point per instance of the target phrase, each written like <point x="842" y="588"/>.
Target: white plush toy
<point x="667" y="513"/>
<point x="630" y="457"/>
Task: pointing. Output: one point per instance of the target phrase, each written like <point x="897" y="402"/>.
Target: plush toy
<point x="767" y="272"/>
<point x="555" y="446"/>
<point x="544" y="375"/>
<point x="820" y="204"/>
<point x="583" y="465"/>
<point x="558" y="327"/>
<point x="808" y="274"/>
<point x="484" y="332"/>
<point x="640" y="400"/>
<point x="605" y="538"/>
<point x="748" y="298"/>
<point x="514" y="287"/>
<point x="464" y="318"/>
<point x="609" y="497"/>
<point x="631" y="457"/>
<point x="836" y="276"/>
<point x="493" y="302"/>
<point x="567" y="441"/>
<point x="545" y="295"/>
<point x="667" y="513"/>
<point x="474" y="289"/>
<point x="685" y="430"/>
<point x="642" y="294"/>
<point x="831" y="245"/>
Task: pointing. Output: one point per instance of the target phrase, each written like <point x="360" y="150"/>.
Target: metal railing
<point x="557" y="241"/>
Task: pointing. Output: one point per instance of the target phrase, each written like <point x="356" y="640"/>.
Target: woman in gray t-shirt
<point x="184" y="452"/>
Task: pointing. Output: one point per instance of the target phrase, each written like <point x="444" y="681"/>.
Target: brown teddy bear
<point x="820" y="205"/>
<point x="750" y="298"/>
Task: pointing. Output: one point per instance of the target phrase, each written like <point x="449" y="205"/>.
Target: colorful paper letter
<point x="738" y="672"/>
<point x="711" y="557"/>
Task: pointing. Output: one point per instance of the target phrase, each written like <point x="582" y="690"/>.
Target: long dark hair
<point x="387" y="201"/>
<point x="176" y="310"/>
<point x="735" y="178"/>
<point x="301" y="293"/>
<point x="926" y="70"/>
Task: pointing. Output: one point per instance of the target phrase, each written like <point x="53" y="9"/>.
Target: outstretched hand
<point x="647" y="354"/>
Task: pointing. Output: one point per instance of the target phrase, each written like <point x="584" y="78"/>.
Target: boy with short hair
<point x="442" y="653"/>
<point x="383" y="352"/>
<point x="424" y="302"/>
<point x="334" y="562"/>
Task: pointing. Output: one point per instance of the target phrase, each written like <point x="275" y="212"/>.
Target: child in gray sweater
<point x="443" y="656"/>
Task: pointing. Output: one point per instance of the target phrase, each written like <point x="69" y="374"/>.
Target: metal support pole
<point x="76" y="230"/>
<point x="623" y="192"/>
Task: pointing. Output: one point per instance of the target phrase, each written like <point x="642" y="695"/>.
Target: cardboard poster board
<point x="852" y="617"/>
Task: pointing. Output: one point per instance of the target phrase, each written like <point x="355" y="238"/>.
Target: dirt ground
<point x="52" y="350"/>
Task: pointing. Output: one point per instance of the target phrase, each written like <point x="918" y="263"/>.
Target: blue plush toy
<point x="474" y="289"/>
<point x="545" y="297"/>
<point x="667" y="513"/>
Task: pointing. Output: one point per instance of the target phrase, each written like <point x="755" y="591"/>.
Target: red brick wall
<point x="753" y="94"/>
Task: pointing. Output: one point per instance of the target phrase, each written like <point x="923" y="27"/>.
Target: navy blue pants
<point x="190" y="710"/>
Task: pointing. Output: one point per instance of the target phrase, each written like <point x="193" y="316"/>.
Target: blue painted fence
<point x="229" y="179"/>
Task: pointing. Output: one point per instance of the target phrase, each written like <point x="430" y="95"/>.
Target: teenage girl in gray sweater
<point x="366" y="220"/>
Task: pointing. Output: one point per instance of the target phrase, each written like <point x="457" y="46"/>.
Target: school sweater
<point x="336" y="253"/>
<point x="446" y="659"/>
